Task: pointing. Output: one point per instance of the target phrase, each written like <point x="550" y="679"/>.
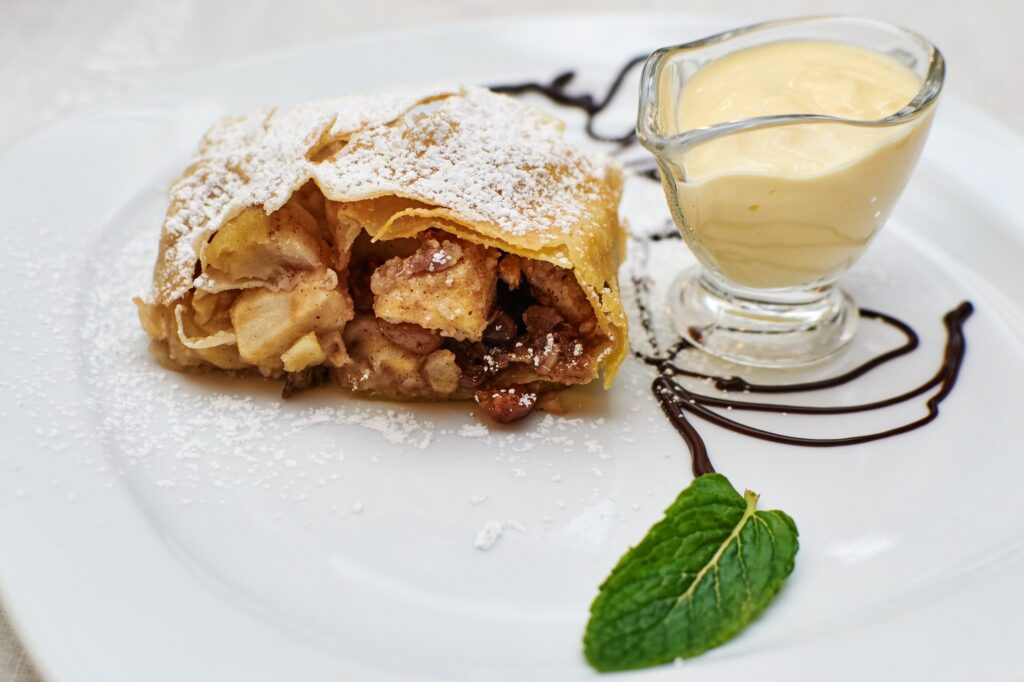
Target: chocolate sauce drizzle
<point x="555" y="90"/>
<point x="677" y="401"/>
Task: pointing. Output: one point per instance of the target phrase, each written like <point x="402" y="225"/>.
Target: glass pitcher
<point x="771" y="247"/>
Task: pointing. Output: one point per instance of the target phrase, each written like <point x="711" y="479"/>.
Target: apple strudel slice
<point x="444" y="244"/>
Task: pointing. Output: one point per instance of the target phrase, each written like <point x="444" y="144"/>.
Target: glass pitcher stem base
<point x="733" y="326"/>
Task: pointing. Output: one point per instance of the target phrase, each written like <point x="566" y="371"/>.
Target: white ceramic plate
<point x="156" y="526"/>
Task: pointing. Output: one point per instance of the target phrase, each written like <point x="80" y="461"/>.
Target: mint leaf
<point x="699" y="577"/>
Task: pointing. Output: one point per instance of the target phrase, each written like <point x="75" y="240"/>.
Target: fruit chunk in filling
<point x="379" y="365"/>
<point x="304" y="295"/>
<point x="269" y="323"/>
<point x="254" y="246"/>
<point x="448" y="284"/>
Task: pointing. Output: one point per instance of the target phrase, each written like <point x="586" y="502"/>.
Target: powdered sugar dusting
<point x="488" y="158"/>
<point x="256" y="160"/>
<point x="492" y="532"/>
<point x="239" y="433"/>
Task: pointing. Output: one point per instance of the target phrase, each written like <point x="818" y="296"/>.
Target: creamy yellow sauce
<point x="796" y="204"/>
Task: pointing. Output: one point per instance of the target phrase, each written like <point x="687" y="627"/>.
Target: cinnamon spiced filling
<point x="305" y="295"/>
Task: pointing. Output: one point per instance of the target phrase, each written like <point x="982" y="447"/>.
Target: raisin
<point x="501" y="331"/>
<point x="506" y="405"/>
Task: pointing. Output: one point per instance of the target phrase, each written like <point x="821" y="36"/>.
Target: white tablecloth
<point x="58" y="55"/>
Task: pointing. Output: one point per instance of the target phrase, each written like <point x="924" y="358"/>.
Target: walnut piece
<point x="557" y="287"/>
<point x="510" y="270"/>
<point x="411" y="337"/>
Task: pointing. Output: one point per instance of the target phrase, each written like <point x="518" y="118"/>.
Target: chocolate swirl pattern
<point x="676" y="400"/>
<point x="588" y="103"/>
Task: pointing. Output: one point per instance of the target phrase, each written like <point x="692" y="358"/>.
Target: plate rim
<point x="998" y="138"/>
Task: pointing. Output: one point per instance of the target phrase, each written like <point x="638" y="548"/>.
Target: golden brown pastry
<point x="429" y="245"/>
